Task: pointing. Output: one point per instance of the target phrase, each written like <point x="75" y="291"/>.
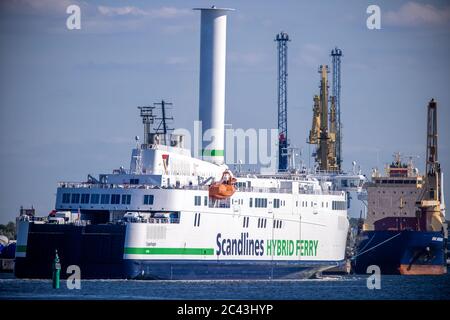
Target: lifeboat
<point x="225" y="188"/>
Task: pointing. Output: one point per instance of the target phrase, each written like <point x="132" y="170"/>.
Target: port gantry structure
<point x="282" y="39"/>
<point x="323" y="129"/>
<point x="336" y="55"/>
<point x="326" y="129"/>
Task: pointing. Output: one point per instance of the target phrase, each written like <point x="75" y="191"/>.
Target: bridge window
<point x="66" y="198"/>
<point x="148" y="199"/>
<point x="134" y="181"/>
<point x="75" y="198"/>
<point x="104" y="199"/>
<point x="197" y="201"/>
<point x="95" y="198"/>
<point x="126" y="198"/>
<point x="115" y="198"/>
<point x="85" y="198"/>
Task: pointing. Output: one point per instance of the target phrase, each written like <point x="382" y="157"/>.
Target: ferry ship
<point x="174" y="216"/>
<point x="405" y="230"/>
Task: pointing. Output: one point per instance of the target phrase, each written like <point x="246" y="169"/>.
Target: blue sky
<point x="68" y="98"/>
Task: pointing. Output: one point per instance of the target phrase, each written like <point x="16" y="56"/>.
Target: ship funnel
<point x="212" y="82"/>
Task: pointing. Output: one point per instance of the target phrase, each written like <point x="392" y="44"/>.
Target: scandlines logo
<point x="245" y="245"/>
<point x="237" y="247"/>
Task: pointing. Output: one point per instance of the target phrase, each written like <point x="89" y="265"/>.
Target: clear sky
<point x="68" y="97"/>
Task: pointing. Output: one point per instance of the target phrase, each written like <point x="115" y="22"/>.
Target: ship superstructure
<point x="391" y="197"/>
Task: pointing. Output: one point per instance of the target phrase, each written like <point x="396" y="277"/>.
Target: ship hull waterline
<point x="401" y="252"/>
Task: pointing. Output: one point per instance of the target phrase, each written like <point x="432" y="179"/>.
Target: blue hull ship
<point x="401" y="252"/>
<point x="404" y="231"/>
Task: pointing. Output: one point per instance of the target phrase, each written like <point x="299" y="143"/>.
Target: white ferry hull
<point x="221" y="245"/>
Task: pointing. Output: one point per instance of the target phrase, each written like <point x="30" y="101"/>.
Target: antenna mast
<point x="336" y="55"/>
<point x="162" y="127"/>
<point x="282" y="38"/>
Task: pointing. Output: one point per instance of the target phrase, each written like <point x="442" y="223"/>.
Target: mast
<point x="336" y="55"/>
<point x="282" y="39"/>
<point x="162" y="127"/>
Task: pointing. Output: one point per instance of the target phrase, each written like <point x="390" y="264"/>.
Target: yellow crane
<point x="323" y="130"/>
<point x="314" y="133"/>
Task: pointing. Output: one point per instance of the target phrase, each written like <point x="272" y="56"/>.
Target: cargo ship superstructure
<point x="405" y="231"/>
<point x="173" y="216"/>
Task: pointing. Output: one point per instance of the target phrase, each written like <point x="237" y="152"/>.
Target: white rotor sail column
<point x="212" y="82"/>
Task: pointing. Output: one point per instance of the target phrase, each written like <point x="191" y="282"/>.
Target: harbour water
<point x="328" y="288"/>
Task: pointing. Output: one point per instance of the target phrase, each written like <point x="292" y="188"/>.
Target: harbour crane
<point x="431" y="197"/>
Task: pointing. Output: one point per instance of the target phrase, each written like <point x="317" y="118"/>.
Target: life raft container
<point x="225" y="188"/>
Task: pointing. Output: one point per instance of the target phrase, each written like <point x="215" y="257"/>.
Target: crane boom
<point x="429" y="201"/>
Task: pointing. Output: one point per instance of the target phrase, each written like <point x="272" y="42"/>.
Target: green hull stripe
<point x="212" y="153"/>
<point x="183" y="251"/>
<point x="21" y="248"/>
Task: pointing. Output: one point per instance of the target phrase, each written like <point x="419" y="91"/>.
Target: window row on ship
<point x="96" y="198"/>
<point x="148" y="199"/>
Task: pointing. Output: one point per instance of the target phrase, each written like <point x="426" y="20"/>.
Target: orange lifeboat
<point x="224" y="188"/>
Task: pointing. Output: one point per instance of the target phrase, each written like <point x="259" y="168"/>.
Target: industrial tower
<point x="430" y="201"/>
<point x="323" y="130"/>
<point x="336" y="55"/>
<point x="282" y="38"/>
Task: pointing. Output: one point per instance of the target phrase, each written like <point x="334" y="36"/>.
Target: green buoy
<point x="56" y="271"/>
